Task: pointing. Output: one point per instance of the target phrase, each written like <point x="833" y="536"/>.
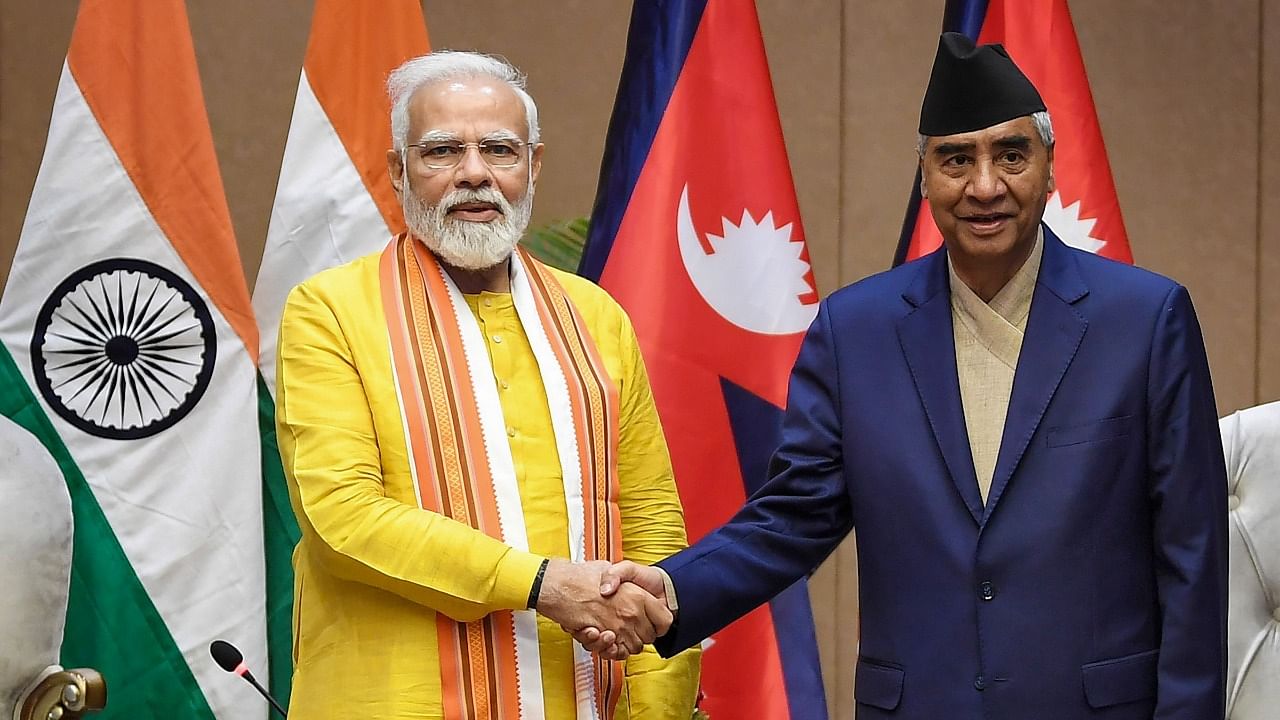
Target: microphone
<point x="230" y="659"/>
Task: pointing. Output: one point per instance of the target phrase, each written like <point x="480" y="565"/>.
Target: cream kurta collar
<point x="999" y="325"/>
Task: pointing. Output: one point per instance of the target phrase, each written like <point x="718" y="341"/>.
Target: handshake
<point x="613" y="610"/>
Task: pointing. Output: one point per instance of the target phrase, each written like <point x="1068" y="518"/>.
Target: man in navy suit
<point x="1023" y="435"/>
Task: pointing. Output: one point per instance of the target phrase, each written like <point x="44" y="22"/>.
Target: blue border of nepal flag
<point x="1040" y="37"/>
<point x="696" y="232"/>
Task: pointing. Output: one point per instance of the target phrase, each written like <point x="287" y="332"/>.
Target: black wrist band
<point x="537" y="584"/>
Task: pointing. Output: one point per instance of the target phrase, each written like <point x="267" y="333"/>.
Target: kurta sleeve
<point x="330" y="452"/>
<point x="652" y="529"/>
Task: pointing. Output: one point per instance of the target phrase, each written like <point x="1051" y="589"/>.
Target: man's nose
<point x="472" y="170"/>
<point x="986" y="183"/>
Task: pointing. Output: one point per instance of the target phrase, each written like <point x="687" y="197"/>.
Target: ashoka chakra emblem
<point x="123" y="349"/>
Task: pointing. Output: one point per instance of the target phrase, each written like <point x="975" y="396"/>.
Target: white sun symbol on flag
<point x="754" y="275"/>
<point x="1066" y="223"/>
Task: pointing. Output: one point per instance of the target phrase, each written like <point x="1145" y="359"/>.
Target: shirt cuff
<point x="513" y="579"/>
<point x="670" y="587"/>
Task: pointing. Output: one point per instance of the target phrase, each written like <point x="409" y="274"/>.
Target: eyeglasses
<point x="442" y="155"/>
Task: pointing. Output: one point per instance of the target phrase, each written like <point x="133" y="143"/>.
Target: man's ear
<point x="1053" y="183"/>
<point x="924" y="190"/>
<point x="395" y="168"/>
<point x="535" y="162"/>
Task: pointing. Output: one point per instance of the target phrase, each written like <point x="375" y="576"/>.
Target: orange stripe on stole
<point x="477" y="660"/>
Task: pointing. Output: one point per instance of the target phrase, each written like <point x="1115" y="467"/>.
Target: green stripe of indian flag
<point x="280" y="535"/>
<point x="112" y="626"/>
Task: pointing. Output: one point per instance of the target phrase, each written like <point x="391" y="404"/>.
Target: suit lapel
<point x="926" y="337"/>
<point x="1054" y="332"/>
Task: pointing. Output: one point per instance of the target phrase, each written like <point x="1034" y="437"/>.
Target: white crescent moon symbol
<point x="754" y="277"/>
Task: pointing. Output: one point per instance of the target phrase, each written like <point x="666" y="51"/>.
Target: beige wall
<point x="1188" y="99"/>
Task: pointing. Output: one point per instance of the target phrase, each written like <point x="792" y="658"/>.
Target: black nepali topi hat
<point x="972" y="88"/>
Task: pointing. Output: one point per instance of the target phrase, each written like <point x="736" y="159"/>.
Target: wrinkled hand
<point x="623" y="578"/>
<point x="626" y="617"/>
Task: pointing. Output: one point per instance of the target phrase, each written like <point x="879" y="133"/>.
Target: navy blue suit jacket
<point x="1092" y="584"/>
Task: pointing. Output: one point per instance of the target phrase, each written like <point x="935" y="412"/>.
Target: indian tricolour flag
<point x="129" y="349"/>
<point x="334" y="201"/>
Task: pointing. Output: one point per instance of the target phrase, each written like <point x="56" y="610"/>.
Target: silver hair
<point x="1044" y="128"/>
<point x="434" y="67"/>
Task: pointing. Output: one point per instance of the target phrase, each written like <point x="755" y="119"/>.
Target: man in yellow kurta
<point x="452" y="415"/>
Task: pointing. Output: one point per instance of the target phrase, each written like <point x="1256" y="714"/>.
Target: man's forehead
<point x="481" y="85"/>
<point x="466" y="99"/>
<point x="469" y="95"/>
<point x="1011" y="132"/>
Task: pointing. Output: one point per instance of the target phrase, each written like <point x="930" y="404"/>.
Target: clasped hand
<point x="613" y="610"/>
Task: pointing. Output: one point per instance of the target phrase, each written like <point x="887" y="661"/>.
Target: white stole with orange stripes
<point x="462" y="465"/>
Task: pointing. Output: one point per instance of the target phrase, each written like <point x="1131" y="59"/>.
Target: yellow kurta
<point x="372" y="568"/>
<point x="988" y="338"/>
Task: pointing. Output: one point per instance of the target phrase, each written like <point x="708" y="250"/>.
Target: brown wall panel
<point x="1267" y="309"/>
<point x="250" y="56"/>
<point x="1179" y="113"/>
<point x="889" y="49"/>
<point x="887" y="53"/>
<point x="803" y="42"/>
<point x="33" y="46"/>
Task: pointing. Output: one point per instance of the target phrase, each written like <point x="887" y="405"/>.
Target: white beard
<point x="463" y="244"/>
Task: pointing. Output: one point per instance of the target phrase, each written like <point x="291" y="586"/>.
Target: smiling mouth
<point x="986" y="223"/>
<point x="475" y="211"/>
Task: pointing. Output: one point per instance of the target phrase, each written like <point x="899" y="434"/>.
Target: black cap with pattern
<point x="972" y="88"/>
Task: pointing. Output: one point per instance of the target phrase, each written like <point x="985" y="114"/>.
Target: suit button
<point x="979" y="683"/>
<point x="988" y="590"/>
